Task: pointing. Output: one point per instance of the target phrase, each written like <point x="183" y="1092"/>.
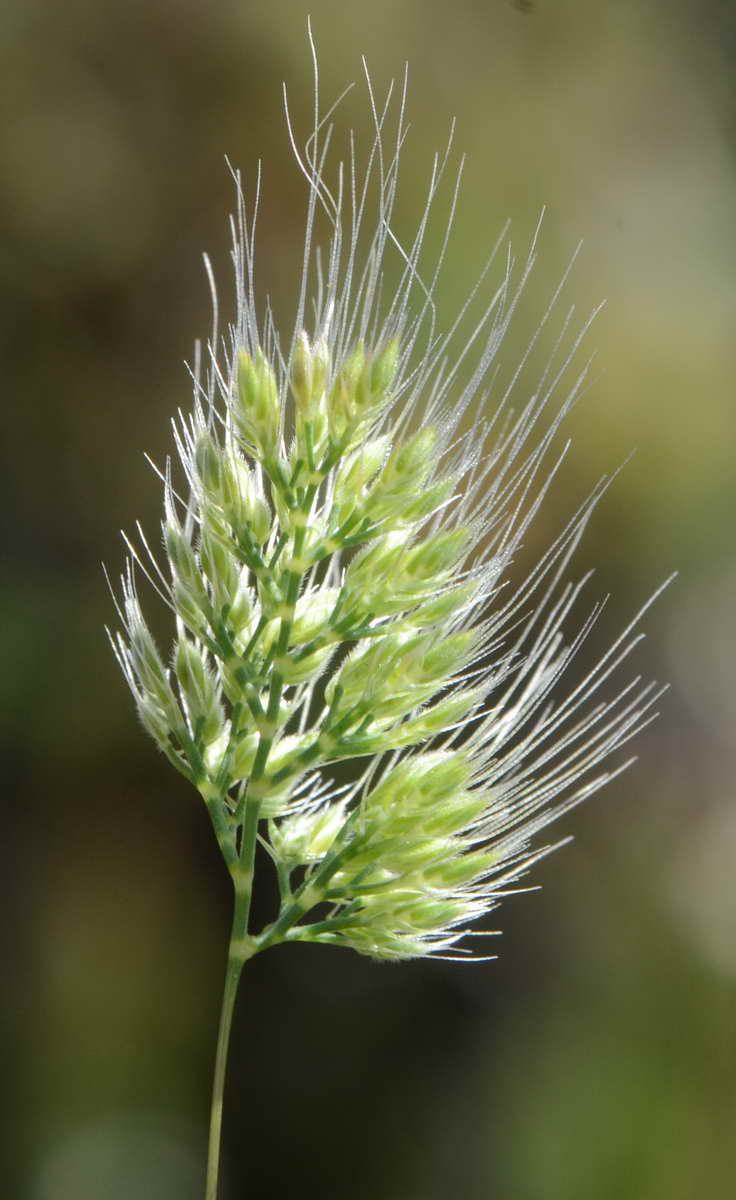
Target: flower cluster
<point x="335" y="559"/>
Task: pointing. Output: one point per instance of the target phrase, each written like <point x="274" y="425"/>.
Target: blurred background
<point x="597" y="1056"/>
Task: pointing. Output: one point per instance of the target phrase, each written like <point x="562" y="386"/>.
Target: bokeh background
<point x="597" y="1056"/>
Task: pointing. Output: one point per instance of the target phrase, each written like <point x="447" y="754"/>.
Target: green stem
<point x="242" y="946"/>
<point x="309" y="893"/>
<point x="240" y="950"/>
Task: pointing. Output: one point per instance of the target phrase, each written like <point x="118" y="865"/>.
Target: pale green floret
<point x="411" y="857"/>
<point x="448" y="711"/>
<point x="157" y="705"/>
<point x="403" y="852"/>
<point x="415" y="810"/>
<point x="391" y="576"/>
<point x="426" y="915"/>
<point x="147" y="665"/>
<point x="244" y="755"/>
<point x="431" y="561"/>
<point x="154" y="720"/>
<point x="341" y="407"/>
<point x="308" y="620"/>
<point x="310" y="368"/>
<point x="394" y="925"/>
<point x="257" y="409"/>
<point x="233" y="676"/>
<point x="307" y="668"/>
<point x="457" y="872"/>
<point x="355" y="474"/>
<point x="381" y="375"/>
<point x="189" y="591"/>
<point x="189" y="608"/>
<point x="428" y="500"/>
<point x="230" y="499"/>
<point x="185" y="567"/>
<point x="199" y="691"/>
<point x="380" y="943"/>
<point x="239" y="501"/>
<point x="459" y="813"/>
<point x="307" y="837"/>
<point x="443" y="715"/>
<point x="210" y="465"/>
<point x="376" y="563"/>
<point x="440" y="608"/>
<point x="220" y="568"/>
<point x="396" y="674"/>
<point x="373" y="384"/>
<point x="233" y="752"/>
<point x="312" y="614"/>
<point x="287" y="750"/>
<point x="433" y="660"/>
<point x="321" y="365"/>
<point x="360" y="392"/>
<point x="241" y="614"/>
<point x="404" y="475"/>
<point x="372" y="579"/>
<point x="424" y="778"/>
<point x="302" y="379"/>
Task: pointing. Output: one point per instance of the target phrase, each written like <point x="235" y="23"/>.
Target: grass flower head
<point x="335" y="570"/>
<point x="337" y="537"/>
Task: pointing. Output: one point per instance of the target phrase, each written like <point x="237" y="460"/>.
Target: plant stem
<point x="242" y="946"/>
<point x="240" y="950"/>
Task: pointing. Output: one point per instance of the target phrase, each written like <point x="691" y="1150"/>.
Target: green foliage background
<point x="597" y="1058"/>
